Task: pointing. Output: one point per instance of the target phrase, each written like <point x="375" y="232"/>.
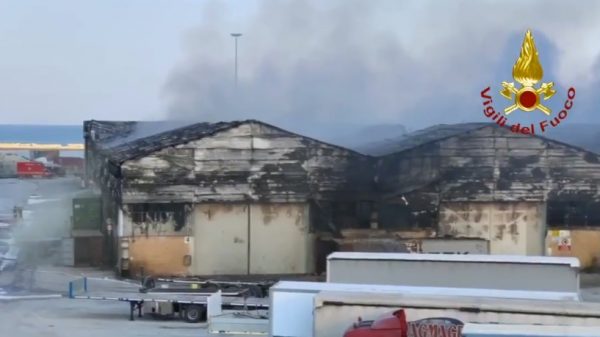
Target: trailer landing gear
<point x="133" y="305"/>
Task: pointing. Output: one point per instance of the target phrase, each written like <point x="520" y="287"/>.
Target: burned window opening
<point x="395" y="216"/>
<point x="353" y="214"/>
<point x="568" y="214"/>
<point x="160" y="213"/>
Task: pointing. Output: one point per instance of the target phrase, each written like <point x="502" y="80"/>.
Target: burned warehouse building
<point x="247" y="197"/>
<point x="223" y="198"/>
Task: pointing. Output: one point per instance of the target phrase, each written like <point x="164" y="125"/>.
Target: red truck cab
<point x="396" y="325"/>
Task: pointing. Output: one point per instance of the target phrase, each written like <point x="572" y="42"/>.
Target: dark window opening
<point x="364" y="211"/>
<point x="335" y="216"/>
<point x="352" y="214"/>
<point x="159" y="213"/>
<point x="572" y="214"/>
<point x="395" y="216"/>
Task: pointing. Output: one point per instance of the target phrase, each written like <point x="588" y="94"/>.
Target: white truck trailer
<point x="346" y="314"/>
<point x="508" y="272"/>
<point x="292" y="304"/>
<point x="528" y="330"/>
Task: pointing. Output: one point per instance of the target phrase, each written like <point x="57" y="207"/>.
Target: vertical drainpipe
<point x="248" y="256"/>
<point x="118" y="248"/>
<point x="120" y="223"/>
<point x="248" y="245"/>
<point x="543" y="211"/>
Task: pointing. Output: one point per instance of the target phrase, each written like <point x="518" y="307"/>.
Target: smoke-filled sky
<point x="303" y="64"/>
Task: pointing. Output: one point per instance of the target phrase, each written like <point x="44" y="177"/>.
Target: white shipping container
<point x="335" y="312"/>
<point x="292" y="303"/>
<point x="535" y="273"/>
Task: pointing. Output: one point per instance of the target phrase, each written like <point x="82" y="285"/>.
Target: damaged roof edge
<point x="423" y="137"/>
<point x="476" y="127"/>
<point x="131" y="150"/>
<point x="155" y="142"/>
<point x="312" y="139"/>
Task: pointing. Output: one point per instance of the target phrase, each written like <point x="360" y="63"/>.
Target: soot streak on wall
<point x="485" y="163"/>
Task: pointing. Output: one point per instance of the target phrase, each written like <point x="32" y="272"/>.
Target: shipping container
<point x="292" y="303"/>
<point x="528" y="330"/>
<point x="30" y="169"/>
<point x="71" y="165"/>
<point x="339" y="313"/>
<point x="508" y="272"/>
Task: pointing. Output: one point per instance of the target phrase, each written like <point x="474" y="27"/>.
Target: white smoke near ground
<point x="47" y="211"/>
<point x="303" y="63"/>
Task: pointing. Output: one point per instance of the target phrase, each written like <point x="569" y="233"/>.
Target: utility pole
<point x="235" y="38"/>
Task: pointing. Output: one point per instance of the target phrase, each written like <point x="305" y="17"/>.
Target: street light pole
<point x="235" y="37"/>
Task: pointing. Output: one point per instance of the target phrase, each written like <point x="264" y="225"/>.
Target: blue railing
<point x="77" y="286"/>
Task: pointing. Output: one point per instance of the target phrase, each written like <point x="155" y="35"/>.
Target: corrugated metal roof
<point x="132" y="131"/>
<point x="443" y="131"/>
<point x="418" y="138"/>
<point x="122" y="141"/>
<point x="572" y="261"/>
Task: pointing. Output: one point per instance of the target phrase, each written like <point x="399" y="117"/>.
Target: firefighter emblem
<point x="528" y="71"/>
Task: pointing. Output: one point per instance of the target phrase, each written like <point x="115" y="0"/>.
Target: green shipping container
<point x="87" y="213"/>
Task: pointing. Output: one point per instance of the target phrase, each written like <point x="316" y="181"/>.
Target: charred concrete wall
<point x="248" y="162"/>
<point x="489" y="164"/>
<point x="427" y="246"/>
<point x="159" y="255"/>
<point x="157" y="219"/>
<point x="510" y="227"/>
<point x="219" y="239"/>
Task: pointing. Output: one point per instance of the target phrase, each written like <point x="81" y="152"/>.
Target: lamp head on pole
<point x="236" y="34"/>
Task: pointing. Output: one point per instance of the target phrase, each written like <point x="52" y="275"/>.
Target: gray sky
<point x="301" y="62"/>
<point x="63" y="61"/>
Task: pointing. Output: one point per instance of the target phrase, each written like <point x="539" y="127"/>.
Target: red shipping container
<point x="27" y="169"/>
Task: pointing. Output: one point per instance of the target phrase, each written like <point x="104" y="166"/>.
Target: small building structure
<point x="87" y="241"/>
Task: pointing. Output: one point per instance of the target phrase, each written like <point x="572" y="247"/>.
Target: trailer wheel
<point x="194" y="313"/>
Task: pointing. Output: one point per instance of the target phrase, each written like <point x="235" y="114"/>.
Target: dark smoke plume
<point x="327" y="68"/>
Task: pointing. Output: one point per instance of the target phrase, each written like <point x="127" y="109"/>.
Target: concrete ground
<point x="74" y="317"/>
<point x="47" y="216"/>
<point x="590" y="287"/>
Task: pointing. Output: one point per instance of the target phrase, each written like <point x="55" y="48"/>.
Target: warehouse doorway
<point x="240" y="239"/>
